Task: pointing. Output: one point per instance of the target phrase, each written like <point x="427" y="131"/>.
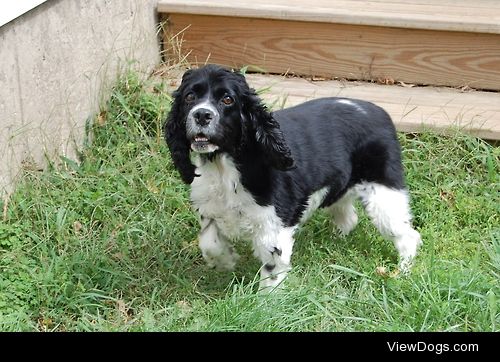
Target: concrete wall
<point x="56" y="63"/>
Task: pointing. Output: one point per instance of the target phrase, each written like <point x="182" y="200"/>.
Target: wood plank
<point x="482" y="16"/>
<point x="343" y="51"/>
<point x="412" y="109"/>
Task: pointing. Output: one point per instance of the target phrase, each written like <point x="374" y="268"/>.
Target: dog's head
<point x="215" y="111"/>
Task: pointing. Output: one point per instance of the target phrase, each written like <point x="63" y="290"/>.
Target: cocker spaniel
<point x="258" y="175"/>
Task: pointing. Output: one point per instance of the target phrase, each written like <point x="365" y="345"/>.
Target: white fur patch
<point x="388" y="208"/>
<point x="315" y="200"/>
<point x="215" y="249"/>
<point x="205" y="104"/>
<point x="389" y="211"/>
<point x="218" y="194"/>
<point x="352" y="103"/>
<point x="344" y="214"/>
<point x="280" y="261"/>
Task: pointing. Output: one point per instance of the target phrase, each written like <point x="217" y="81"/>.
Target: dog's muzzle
<point x="201" y="124"/>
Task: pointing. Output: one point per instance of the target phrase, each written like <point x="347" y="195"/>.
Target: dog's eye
<point x="227" y="100"/>
<point x="190" y="97"/>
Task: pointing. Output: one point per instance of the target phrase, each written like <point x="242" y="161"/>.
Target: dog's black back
<point x="334" y="142"/>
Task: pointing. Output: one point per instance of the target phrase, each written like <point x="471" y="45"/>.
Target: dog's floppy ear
<point x="268" y="133"/>
<point x="175" y="135"/>
<point x="271" y="140"/>
<point x="267" y="130"/>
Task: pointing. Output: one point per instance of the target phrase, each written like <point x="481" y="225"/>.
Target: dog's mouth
<point x="201" y="144"/>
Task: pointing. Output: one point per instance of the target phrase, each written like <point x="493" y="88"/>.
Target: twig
<point x="5" y="204"/>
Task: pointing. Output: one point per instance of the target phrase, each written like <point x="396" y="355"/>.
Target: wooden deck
<point x="448" y="42"/>
<point x="480" y="16"/>
<point x="413" y="109"/>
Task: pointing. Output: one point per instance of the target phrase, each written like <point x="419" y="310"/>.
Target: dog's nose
<point x="203" y="116"/>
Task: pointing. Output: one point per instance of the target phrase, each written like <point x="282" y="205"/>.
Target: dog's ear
<point x="175" y="135"/>
<point x="268" y="133"/>
<point x="271" y="140"/>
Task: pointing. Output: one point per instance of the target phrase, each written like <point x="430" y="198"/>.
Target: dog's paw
<point x="224" y="261"/>
<point x="346" y="224"/>
<point x="345" y="220"/>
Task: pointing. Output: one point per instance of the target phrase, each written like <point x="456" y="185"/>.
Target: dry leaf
<point x="101" y="118"/>
<point x="466" y="88"/>
<point x="115" y="230"/>
<point x="184" y="307"/>
<point x="125" y="311"/>
<point x="183" y="304"/>
<point x="406" y="85"/>
<point x="447" y="196"/>
<point x="394" y="273"/>
<point x="382" y="271"/>
<point x="385" y="80"/>
<point x="150" y="185"/>
<point x="45" y="323"/>
<point x="77" y="226"/>
<point x="118" y="256"/>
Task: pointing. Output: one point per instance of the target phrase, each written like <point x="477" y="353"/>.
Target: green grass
<point x="110" y="244"/>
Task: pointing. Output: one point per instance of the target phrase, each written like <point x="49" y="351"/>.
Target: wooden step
<point x="413" y="109"/>
<point x="447" y="42"/>
<point x="481" y="16"/>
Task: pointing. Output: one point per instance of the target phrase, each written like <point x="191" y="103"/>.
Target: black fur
<point x="175" y="135"/>
<point x="285" y="156"/>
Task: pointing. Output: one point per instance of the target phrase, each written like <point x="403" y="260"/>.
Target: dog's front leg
<point x="215" y="248"/>
<point x="274" y="250"/>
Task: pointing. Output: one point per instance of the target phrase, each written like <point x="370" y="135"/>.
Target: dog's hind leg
<point x="344" y="214"/>
<point x="389" y="211"/>
<point x="215" y="248"/>
<point x="275" y="252"/>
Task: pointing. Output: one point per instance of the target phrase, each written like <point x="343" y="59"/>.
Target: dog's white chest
<point x="218" y="194"/>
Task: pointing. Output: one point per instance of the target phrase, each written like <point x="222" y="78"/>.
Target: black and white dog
<point x="258" y="175"/>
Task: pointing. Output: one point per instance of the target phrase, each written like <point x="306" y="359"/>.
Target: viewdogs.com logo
<point x="436" y="348"/>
